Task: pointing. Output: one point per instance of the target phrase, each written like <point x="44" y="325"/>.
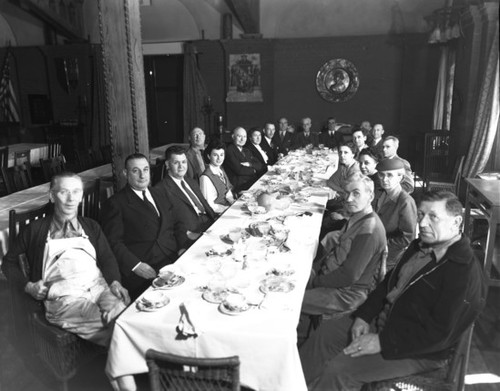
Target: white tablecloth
<point x="264" y="339"/>
<point x="37" y="152"/>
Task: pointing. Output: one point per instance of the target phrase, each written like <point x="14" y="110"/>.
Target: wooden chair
<point x="22" y="157"/>
<point x="17" y="178"/>
<point x="55" y="150"/>
<point x="90" y="205"/>
<point x="436" y="154"/>
<point x="157" y="171"/>
<point x="175" y="373"/>
<point x="52" y="166"/>
<point x="60" y="351"/>
<point x="84" y="160"/>
<point x="449" y="378"/>
<point x="452" y="183"/>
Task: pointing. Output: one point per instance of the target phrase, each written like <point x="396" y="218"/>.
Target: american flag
<point x="9" y="110"/>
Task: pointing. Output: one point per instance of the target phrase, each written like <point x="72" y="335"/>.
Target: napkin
<point x="189" y="324"/>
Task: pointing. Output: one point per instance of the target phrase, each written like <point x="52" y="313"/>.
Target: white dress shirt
<point x="178" y="182"/>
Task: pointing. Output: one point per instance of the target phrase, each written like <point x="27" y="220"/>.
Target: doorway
<point x="163" y="79"/>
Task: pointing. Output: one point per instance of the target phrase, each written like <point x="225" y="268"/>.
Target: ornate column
<point x="120" y="30"/>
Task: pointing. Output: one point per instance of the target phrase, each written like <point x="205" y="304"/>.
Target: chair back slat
<point x="4" y="156"/>
<point x="90" y="205"/>
<point x="19" y="220"/>
<point x="17" y="178"/>
<point x="21" y="157"/>
<point x="54" y="150"/>
<point x="171" y="372"/>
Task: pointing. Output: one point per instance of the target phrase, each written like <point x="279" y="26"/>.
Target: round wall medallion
<point x="337" y="80"/>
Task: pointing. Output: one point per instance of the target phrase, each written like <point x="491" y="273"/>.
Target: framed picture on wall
<point x="244" y="78"/>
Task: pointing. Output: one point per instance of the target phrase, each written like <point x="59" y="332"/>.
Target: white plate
<point x="175" y="280"/>
<point x="276" y="285"/>
<point x="152" y="300"/>
<point x="214" y="297"/>
<point x="226" y="311"/>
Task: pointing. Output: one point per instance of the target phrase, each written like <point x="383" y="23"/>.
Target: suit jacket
<point x="377" y="149"/>
<point x="241" y="177"/>
<point x="257" y="155"/>
<point x="301" y="140"/>
<point x="194" y="171"/>
<point x="183" y="209"/>
<point x="137" y="234"/>
<point x="331" y="141"/>
<point x="285" y="145"/>
<point x="270" y="150"/>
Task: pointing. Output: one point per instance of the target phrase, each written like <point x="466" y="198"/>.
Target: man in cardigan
<point x="342" y="278"/>
<point x="71" y="266"/>
<point x="141" y="227"/>
<point x="411" y="322"/>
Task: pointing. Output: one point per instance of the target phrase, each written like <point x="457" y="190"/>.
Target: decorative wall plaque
<point x="337" y="80"/>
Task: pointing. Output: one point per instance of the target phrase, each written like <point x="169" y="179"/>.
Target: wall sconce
<point x="68" y="73"/>
<point x="445" y="24"/>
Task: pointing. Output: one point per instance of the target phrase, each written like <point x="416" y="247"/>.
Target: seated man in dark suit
<point x="141" y="227"/>
<point x="194" y="154"/>
<point x="306" y="137"/>
<point x="241" y="166"/>
<point x="190" y="206"/>
<point x="330" y="138"/>
<point x="71" y="266"/>
<point x="377" y="141"/>
<point x="267" y="143"/>
<point x="283" y="139"/>
<point x="254" y="145"/>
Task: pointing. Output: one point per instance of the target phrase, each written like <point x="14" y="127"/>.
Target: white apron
<point x="78" y="299"/>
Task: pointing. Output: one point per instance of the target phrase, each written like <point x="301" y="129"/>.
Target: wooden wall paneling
<point x="119" y="24"/>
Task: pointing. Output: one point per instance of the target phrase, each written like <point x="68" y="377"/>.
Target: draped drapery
<point x="195" y="92"/>
<point x="486" y="124"/>
<point x="444" y="91"/>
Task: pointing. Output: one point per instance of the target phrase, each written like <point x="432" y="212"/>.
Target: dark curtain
<point x="195" y="92"/>
<point x="99" y="130"/>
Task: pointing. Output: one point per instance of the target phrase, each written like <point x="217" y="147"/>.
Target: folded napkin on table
<point x="189" y="323"/>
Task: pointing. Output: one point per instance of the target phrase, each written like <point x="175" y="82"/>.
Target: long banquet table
<point x="35" y="197"/>
<point x="37" y="151"/>
<point x="264" y="337"/>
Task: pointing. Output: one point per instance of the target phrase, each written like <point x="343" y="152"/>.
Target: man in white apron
<point x="72" y="267"/>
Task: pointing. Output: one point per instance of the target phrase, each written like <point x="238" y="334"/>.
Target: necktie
<point x="282" y="135"/>
<point x="221" y="175"/>
<point x="331" y="133"/>
<point x="193" y="197"/>
<point x="201" y="163"/>
<point x="148" y="203"/>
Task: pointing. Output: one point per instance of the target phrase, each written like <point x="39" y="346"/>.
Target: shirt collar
<point x="215" y="170"/>
<point x="440" y="249"/>
<point x="139" y="192"/>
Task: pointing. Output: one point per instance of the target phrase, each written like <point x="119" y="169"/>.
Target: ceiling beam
<point x="247" y="12"/>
